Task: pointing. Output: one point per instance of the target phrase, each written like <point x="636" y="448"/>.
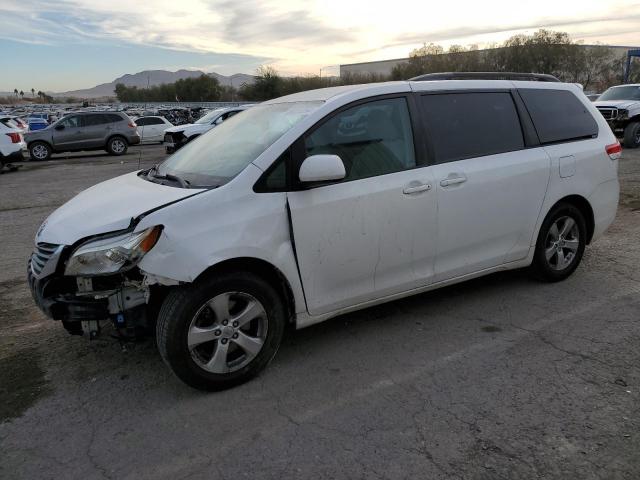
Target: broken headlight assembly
<point x="113" y="254"/>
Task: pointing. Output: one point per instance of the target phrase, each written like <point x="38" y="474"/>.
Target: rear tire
<point x="221" y="331"/>
<point x="561" y="243"/>
<point x="117" y="146"/>
<point x="40" y="151"/>
<point x="632" y="135"/>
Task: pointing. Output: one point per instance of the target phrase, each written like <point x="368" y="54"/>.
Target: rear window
<point x="558" y="115"/>
<point x="466" y="125"/>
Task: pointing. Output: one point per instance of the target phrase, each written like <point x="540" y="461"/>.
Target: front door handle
<point x="422" y="187"/>
<point x="451" y="180"/>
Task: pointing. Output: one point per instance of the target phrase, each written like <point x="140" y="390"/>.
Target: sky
<point x="62" y="45"/>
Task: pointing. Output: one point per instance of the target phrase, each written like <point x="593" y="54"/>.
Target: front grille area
<point x="609" y="113"/>
<point x="41" y="256"/>
<point x="168" y="138"/>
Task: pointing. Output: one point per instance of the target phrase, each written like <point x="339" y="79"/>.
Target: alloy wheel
<point x="117" y="146"/>
<point x="227" y="332"/>
<point x="562" y="243"/>
<point x="40" y="152"/>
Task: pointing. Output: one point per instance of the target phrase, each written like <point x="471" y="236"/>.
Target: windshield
<point x="222" y="153"/>
<point x="209" y="116"/>
<point x="621" y="93"/>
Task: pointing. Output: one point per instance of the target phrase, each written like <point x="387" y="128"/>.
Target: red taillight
<point x="132" y="124"/>
<point x="614" y="150"/>
<point x="15" y="137"/>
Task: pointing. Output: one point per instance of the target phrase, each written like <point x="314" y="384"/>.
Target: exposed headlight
<point x="111" y="255"/>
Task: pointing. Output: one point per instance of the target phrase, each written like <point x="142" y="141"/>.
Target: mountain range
<point x="151" y="78"/>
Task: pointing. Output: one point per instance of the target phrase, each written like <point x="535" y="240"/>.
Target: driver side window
<point x="373" y="138"/>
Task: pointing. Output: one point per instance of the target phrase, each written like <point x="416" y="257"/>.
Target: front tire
<point x="221" y="331"/>
<point x="561" y="243"/>
<point x="40" y="151"/>
<point x="632" y="135"/>
<point x="117" y="146"/>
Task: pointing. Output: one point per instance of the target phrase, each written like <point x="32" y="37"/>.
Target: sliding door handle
<point x="452" y="181"/>
<point x="423" y="187"/>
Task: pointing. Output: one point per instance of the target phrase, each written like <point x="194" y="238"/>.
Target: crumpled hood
<point x="191" y="128"/>
<point x="626" y="104"/>
<point x="106" y="207"/>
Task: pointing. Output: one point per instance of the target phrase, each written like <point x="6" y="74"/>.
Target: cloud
<point x="467" y="31"/>
<point x="254" y="22"/>
<point x="302" y="37"/>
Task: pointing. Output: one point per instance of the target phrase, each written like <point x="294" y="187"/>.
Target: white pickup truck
<point x="620" y="106"/>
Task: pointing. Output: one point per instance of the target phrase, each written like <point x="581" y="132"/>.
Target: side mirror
<point x="322" y="168"/>
<point x="59" y="127"/>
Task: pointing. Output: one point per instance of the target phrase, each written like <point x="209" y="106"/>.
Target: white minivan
<point x="323" y="202"/>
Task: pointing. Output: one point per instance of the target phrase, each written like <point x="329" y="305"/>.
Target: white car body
<point x="10" y="149"/>
<point x="442" y="237"/>
<point x="151" y="128"/>
<point x="12" y="122"/>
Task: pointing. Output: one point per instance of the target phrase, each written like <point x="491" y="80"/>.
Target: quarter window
<point x="474" y="124"/>
<point x="373" y="138"/>
<point x="558" y="115"/>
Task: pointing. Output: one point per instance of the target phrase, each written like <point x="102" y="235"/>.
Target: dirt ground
<point x="500" y="377"/>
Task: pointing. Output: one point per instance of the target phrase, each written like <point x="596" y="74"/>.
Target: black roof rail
<point x="538" y="77"/>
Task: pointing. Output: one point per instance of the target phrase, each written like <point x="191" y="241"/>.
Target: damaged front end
<point x="94" y="283"/>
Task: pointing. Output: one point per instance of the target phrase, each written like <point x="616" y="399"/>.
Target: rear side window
<point x="93" y="120"/>
<point x="475" y="124"/>
<point x="114" y="118"/>
<point x="155" y="121"/>
<point x="141" y="122"/>
<point x="558" y="115"/>
<point x="373" y="138"/>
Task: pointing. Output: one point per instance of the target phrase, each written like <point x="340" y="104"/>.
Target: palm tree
<point x="21" y="94"/>
<point x="15" y="92"/>
<point x="33" y="92"/>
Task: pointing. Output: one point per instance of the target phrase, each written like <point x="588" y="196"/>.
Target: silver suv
<point x="110" y="131"/>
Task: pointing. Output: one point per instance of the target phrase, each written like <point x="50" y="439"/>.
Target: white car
<point x="324" y="202"/>
<point x="12" y="144"/>
<point x="15" y="122"/>
<point x="178" y="136"/>
<point x="151" y="128"/>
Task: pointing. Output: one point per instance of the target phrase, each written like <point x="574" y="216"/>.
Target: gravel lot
<point x="498" y="378"/>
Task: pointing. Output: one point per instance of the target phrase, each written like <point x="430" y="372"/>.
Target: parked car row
<point x="116" y="131"/>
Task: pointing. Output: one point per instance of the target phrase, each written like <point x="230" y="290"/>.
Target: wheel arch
<point x="585" y="208"/>
<point x="261" y="268"/>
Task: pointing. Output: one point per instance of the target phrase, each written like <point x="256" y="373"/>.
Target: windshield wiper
<point x="167" y="176"/>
